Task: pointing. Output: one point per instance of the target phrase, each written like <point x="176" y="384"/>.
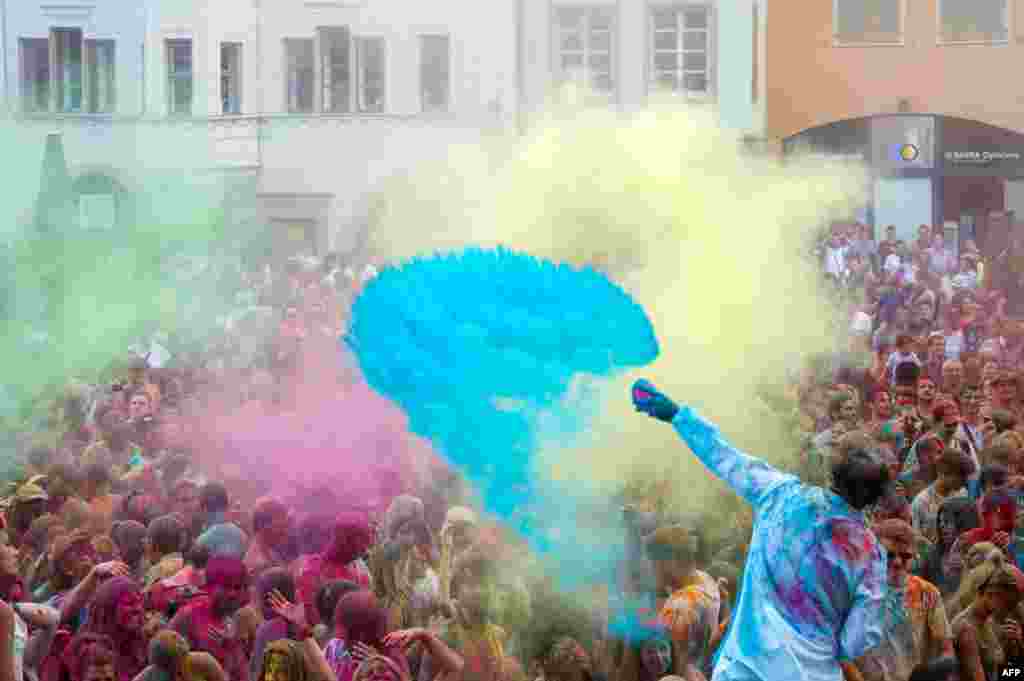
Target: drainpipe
<point x="3" y="59"/>
<point x="520" y="69"/>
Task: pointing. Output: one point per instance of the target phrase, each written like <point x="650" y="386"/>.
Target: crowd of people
<point x="126" y="555"/>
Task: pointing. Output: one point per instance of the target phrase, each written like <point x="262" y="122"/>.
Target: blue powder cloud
<point x="478" y="348"/>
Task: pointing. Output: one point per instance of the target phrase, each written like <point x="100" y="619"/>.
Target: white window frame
<point x="286" y="54"/>
<point x="709" y="48"/>
<point x="420" y="41"/>
<point x="560" y="74"/>
<point x="235" y="77"/>
<point x="837" y="41"/>
<point x="1007" y="16"/>
<point x="169" y="43"/>
<point x="358" y="44"/>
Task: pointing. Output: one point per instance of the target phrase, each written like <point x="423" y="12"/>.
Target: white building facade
<point x="313" y="104"/>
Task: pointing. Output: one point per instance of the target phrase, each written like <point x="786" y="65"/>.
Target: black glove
<point x="648" y="400"/>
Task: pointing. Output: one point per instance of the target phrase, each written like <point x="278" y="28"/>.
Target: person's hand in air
<point x="648" y="400"/>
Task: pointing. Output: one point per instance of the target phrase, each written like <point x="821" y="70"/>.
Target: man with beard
<point x="206" y="622"/>
<point x="814" y="583"/>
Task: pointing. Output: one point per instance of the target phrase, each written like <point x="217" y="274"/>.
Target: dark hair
<point x="328" y="595"/>
<point x="937" y="670"/>
<point x="198" y="555"/>
<point x="275" y="579"/>
<point x="860" y="479"/>
<point x="995" y="475"/>
<point x="213" y="497"/>
<point x="66" y="472"/>
<point x="97" y="474"/>
<point x="166" y="535"/>
<point x="955" y="461"/>
<point x="40" y="456"/>
<point x="264" y="512"/>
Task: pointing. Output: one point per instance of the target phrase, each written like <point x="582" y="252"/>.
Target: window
<point x="969" y="21"/>
<point x="435" y="76"/>
<point x="66" y="50"/>
<point x="100" y="76"/>
<point x="868" y="21"/>
<point x="680" y="43"/>
<point x="585" y="46"/>
<point x="82" y="78"/>
<point x="299" y="67"/>
<point x="231" y="78"/>
<point x="35" y="75"/>
<point x="335" y="69"/>
<point x="179" y="77"/>
<point x="370" y="57"/>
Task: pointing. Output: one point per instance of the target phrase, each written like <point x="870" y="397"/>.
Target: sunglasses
<point x="905" y="557"/>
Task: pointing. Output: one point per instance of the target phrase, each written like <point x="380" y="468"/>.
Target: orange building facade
<point x="925" y="91"/>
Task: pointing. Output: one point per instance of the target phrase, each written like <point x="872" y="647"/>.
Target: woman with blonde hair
<point x="980" y="648"/>
<point x="974" y="558"/>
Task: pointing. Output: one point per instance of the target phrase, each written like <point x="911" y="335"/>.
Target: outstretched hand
<point x="648" y="400"/>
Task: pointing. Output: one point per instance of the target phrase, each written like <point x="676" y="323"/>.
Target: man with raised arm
<point x="815" y="578"/>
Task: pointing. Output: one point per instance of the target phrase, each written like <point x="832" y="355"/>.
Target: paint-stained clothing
<point x="914" y="636"/>
<point x="815" y="577"/>
<point x="691" y="616"/>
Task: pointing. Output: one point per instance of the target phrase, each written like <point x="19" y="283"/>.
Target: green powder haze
<point x="74" y="298"/>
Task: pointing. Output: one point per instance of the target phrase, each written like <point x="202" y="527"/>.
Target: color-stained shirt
<point x="691" y="616"/>
<point x="925" y="511"/>
<point x="312" y="571"/>
<point x="815" y="577"/>
<point x="912" y="640"/>
<point x="194" y="622"/>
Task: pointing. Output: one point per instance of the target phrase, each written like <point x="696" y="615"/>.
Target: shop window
<point x="868" y="22"/>
<point x="974" y="21"/>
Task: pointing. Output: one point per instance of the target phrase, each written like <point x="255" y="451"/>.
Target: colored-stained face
<point x="228" y="596"/>
<point x="130" y="614"/>
<point x="99" y="672"/>
<point x="883" y="406"/>
<point x="377" y="670"/>
<point x="656" y="658"/>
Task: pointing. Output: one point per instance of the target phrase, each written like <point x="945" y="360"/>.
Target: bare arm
<point x="6" y="649"/>
<point x="446" y="663"/>
<point x="318" y="663"/>
<point x="971" y="668"/>
<point x="850" y="672"/>
<point x="46" y="619"/>
<point x="206" y="666"/>
<point x="81" y="594"/>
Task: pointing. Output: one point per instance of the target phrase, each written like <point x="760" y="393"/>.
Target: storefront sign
<point x="981" y="161"/>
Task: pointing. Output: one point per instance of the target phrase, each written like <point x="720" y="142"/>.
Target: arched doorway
<point x="103" y="202"/>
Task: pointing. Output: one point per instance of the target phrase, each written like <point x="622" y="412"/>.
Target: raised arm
<point x="748" y="476"/>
